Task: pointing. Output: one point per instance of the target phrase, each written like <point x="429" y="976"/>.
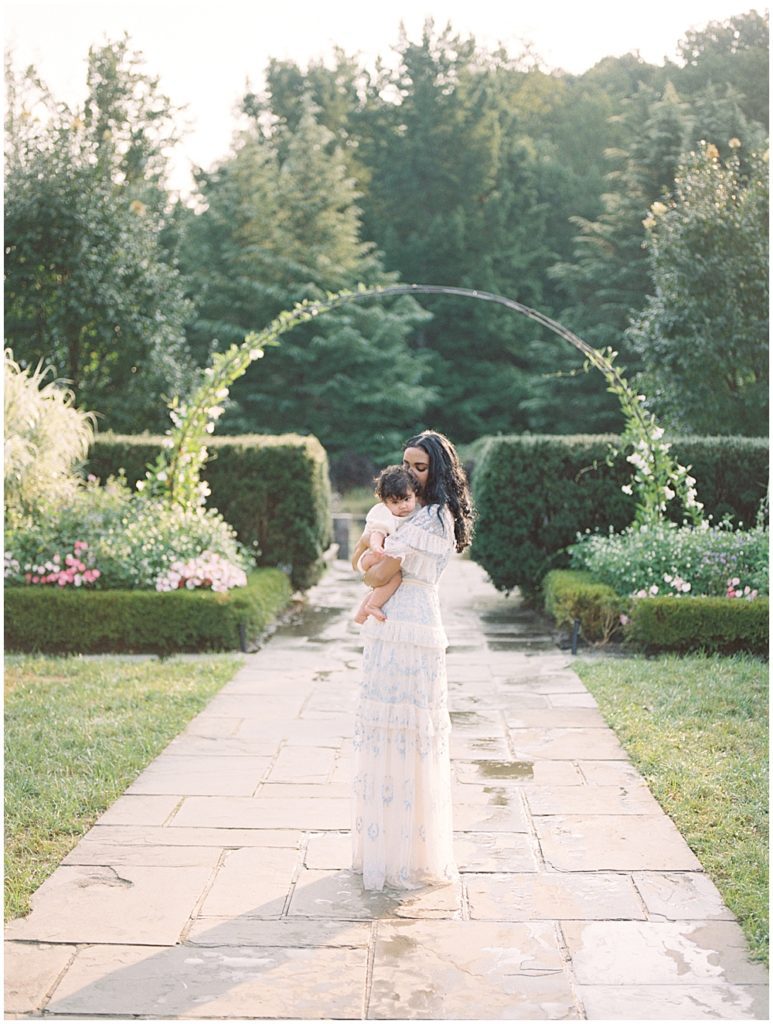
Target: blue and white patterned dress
<point x="402" y="821"/>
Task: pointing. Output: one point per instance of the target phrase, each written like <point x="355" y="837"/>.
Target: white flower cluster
<point x="12" y="566"/>
<point x="680" y="586"/>
<point x="208" y="570"/>
<point x="675" y="582"/>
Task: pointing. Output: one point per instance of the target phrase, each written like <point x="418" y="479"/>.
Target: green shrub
<point x="534" y="494"/>
<point x="572" y="595"/>
<point x="55" y="620"/>
<point x="471" y="454"/>
<point x="274" y="491"/>
<point x="712" y="624"/>
<point x="675" y="559"/>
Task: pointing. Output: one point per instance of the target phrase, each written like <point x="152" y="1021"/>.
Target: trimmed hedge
<point x="571" y="595"/>
<point x="679" y="624"/>
<point x="54" y="620"/>
<point x="274" y="491"/>
<point x="535" y="493"/>
<point x="714" y="624"/>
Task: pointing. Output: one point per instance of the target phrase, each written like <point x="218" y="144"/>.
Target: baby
<point x="397" y="490"/>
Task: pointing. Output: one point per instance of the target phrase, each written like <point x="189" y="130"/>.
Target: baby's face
<point x="401" y="507"/>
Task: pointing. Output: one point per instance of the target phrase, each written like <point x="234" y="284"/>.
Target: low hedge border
<point x="657" y="624"/>
<point x="717" y="625"/>
<point x="65" y="621"/>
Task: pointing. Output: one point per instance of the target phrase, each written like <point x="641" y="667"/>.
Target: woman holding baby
<point x="402" y="823"/>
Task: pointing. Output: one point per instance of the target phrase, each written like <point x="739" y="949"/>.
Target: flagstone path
<point x="218" y="886"/>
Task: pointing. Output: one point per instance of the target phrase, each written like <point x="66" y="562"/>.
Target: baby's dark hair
<point x="394" y="482"/>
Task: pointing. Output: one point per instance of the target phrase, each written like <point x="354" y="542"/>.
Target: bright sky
<point x="205" y="53"/>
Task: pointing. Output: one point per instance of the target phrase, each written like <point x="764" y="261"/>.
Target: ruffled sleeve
<point x="423" y="543"/>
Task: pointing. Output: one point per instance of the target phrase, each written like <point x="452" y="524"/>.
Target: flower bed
<point x="63" y="620"/>
<point x="711" y="561"/>
<point x="109" y="571"/>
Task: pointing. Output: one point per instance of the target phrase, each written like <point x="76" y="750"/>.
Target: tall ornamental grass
<point x="45" y="439"/>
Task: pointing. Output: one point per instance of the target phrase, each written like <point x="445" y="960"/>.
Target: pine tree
<point x="282" y="224"/>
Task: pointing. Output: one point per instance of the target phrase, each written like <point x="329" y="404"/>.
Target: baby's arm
<point x="376" y="543"/>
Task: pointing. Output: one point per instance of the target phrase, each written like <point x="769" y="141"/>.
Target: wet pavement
<point x="218" y="886"/>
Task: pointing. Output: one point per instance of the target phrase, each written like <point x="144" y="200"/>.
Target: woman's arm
<point x="360" y="549"/>
<point x="382" y="573"/>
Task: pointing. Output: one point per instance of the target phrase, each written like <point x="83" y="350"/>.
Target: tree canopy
<point x="454" y="165"/>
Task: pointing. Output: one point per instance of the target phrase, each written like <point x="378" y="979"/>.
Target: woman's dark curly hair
<point x="446" y="483"/>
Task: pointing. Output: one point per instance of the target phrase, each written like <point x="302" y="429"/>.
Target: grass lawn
<point x="78" y="731"/>
<point x="697" y="729"/>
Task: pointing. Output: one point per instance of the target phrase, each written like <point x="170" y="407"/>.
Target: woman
<point x="402" y="826"/>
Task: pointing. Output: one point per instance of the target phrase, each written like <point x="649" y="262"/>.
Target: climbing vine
<point x="175" y="475"/>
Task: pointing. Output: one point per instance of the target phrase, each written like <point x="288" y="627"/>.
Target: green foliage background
<point x="456" y="166"/>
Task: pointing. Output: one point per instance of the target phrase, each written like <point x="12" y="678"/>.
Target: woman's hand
<point x="382" y="573"/>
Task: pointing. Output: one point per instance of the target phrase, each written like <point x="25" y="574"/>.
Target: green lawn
<point x="78" y="731"/>
<point x="697" y="729"/>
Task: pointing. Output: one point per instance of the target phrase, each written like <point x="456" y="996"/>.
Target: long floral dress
<point x="402" y="832"/>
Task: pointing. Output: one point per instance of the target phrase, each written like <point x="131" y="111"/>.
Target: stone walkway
<point x="218" y="885"/>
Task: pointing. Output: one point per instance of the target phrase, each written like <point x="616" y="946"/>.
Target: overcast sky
<point x="205" y="52"/>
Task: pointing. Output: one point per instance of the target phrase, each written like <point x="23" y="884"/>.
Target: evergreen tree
<point x="281" y="224"/>
<point x="453" y="199"/>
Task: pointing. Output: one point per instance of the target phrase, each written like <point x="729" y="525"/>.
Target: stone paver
<point x="425" y="969"/>
<point x="546" y="896"/>
<point x="224" y="981"/>
<point x="219" y="885"/>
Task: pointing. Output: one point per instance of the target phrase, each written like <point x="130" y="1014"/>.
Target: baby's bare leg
<point x="376" y="599"/>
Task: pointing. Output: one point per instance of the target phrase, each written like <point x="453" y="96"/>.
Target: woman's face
<point x="416" y="461"/>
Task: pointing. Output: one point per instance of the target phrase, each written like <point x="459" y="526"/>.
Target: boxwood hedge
<point x="655" y="624"/>
<point x="713" y="624"/>
<point x="55" y="620"/>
